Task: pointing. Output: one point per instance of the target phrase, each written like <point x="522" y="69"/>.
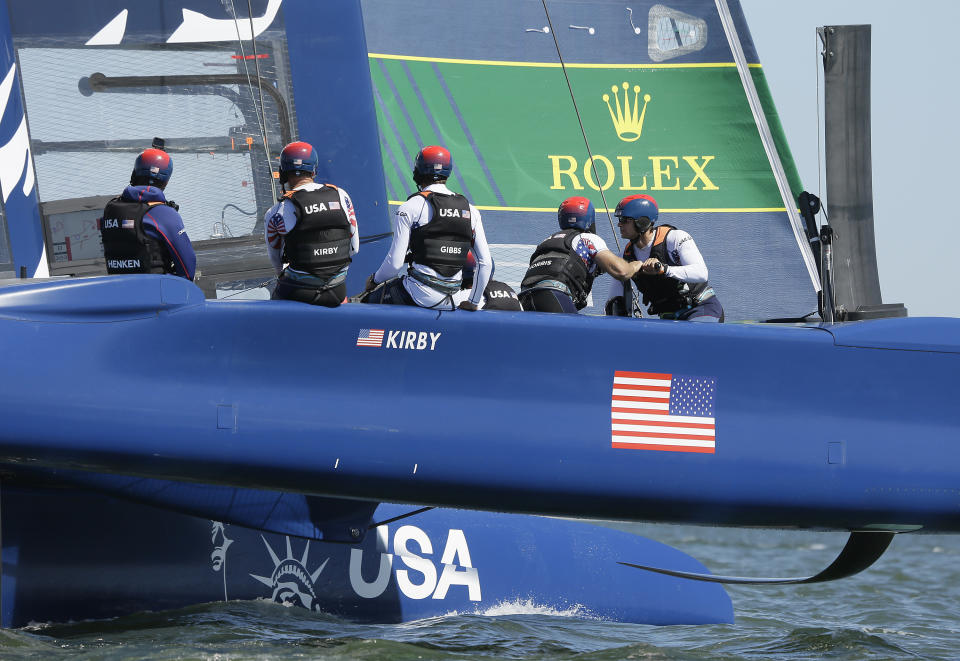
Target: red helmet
<point x="433" y="163"/>
<point x="153" y="167"/>
<point x="300" y="158"/>
<point x="576" y="212"/>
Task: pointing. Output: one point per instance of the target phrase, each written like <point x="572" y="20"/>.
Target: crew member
<point x="563" y="267"/>
<point x="313" y="230"/>
<point x="497" y="296"/>
<point x="143" y="232"/>
<point x="672" y="278"/>
<point x="433" y="232"/>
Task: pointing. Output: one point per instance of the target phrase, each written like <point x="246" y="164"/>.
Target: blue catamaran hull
<point x="486" y="411"/>
<point x="74" y="554"/>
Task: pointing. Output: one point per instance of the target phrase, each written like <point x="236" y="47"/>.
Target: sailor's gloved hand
<point x="652" y="266"/>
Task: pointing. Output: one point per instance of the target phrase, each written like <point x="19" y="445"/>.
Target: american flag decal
<point x="370" y="337"/>
<point x="650" y="411"/>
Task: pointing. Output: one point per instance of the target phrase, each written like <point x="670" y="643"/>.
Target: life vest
<point x="661" y="293"/>
<point x="500" y="296"/>
<point x="319" y="243"/>
<point x="126" y="247"/>
<point x="443" y="243"/>
<point x="555" y="259"/>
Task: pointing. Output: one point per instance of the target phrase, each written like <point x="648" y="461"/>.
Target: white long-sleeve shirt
<point x="417" y="212"/>
<point x="282" y="218"/>
<point x="683" y="251"/>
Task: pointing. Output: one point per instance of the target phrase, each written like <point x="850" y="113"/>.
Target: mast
<point x="846" y="65"/>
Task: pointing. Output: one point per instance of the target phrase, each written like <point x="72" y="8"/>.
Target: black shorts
<point x="709" y="310"/>
<point x="547" y="300"/>
<point x="391" y="292"/>
<point x="292" y="291"/>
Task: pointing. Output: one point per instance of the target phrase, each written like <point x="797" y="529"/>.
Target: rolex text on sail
<point x="659" y="172"/>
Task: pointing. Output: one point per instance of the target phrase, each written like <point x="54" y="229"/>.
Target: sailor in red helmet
<point x="672" y="278"/>
<point x="142" y="232"/>
<point x="562" y="268"/>
<point x="313" y="230"/>
<point x="434" y="231"/>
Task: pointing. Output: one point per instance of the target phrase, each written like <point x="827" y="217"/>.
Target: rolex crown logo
<point x="627" y="121"/>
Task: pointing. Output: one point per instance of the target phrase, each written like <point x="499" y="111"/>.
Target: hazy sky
<point x="916" y="148"/>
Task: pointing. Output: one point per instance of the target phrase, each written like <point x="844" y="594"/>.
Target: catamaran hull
<point x="843" y="427"/>
<point x="70" y="554"/>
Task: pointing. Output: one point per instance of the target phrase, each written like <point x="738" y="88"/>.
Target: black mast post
<point x="846" y="65"/>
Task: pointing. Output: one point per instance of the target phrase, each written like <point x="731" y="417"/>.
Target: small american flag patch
<point x="650" y="411"/>
<point x="334" y="205"/>
<point x="127" y="223"/>
<point x="370" y="337"/>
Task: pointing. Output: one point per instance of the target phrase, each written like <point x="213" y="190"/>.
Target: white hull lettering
<point x="392" y="339"/>
<point x="457" y="567"/>
<point x="375" y="588"/>
<point x="418" y="580"/>
<point x="410" y="337"/>
<point x="407" y="584"/>
<point x="413" y="340"/>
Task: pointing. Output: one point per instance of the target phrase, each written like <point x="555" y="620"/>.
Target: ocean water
<point x="906" y="606"/>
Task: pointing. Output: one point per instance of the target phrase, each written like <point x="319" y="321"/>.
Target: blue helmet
<point x="433" y="163"/>
<point x="153" y="167"/>
<point x="641" y="209"/>
<point x="298" y="158"/>
<point x="576" y="213"/>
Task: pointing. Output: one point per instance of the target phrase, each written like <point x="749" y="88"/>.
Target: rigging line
<point x="374" y="237"/>
<point x="256" y="286"/>
<point x="246" y="69"/>
<point x="596" y="176"/>
<point x="261" y="115"/>
<point x="402" y="516"/>
<point x="263" y="110"/>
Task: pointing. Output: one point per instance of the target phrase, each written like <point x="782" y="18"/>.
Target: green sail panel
<point x="681" y="134"/>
